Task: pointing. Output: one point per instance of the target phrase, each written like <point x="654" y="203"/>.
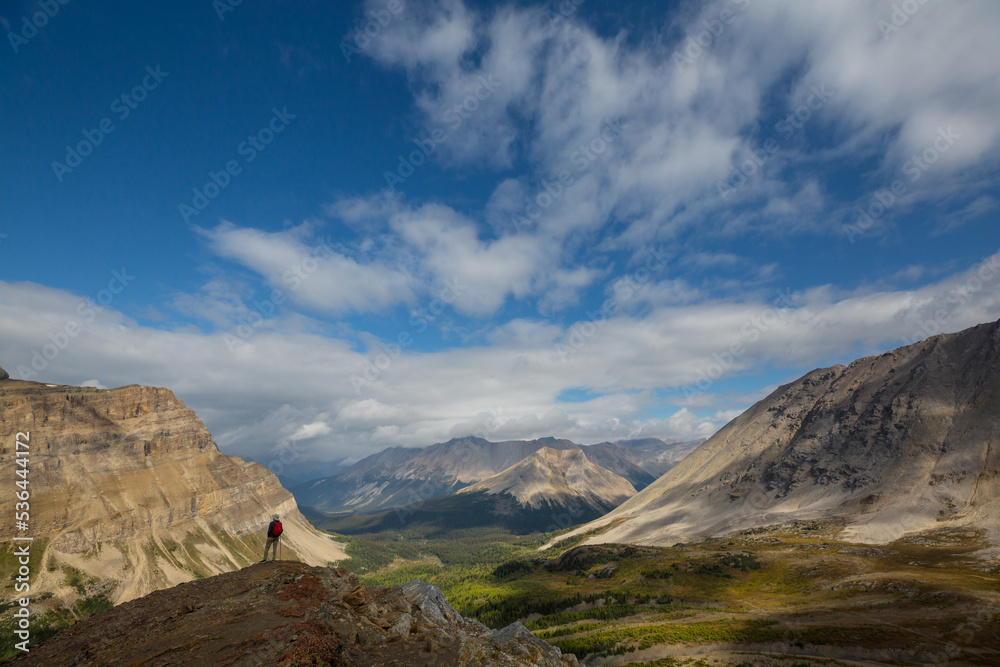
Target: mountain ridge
<point x="892" y="445"/>
<point x="400" y="476"/>
<point x="548" y="490"/>
<point x="557" y="477"/>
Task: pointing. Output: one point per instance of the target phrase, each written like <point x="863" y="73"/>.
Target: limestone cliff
<point x="129" y="494"/>
<point x="901" y="443"/>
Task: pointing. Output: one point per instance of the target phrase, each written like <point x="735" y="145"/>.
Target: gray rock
<point x="400" y="627"/>
<point x="4" y="375"/>
<point x="431" y="601"/>
<point x="527" y="649"/>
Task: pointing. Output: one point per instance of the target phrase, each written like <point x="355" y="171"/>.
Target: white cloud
<point x="688" y="124"/>
<point x="645" y="142"/>
<point x="312" y="273"/>
<point x="310" y="431"/>
<point x="295" y="388"/>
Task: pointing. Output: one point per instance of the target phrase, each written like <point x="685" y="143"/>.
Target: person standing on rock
<point x="274" y="531"/>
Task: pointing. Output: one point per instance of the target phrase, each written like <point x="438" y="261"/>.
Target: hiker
<point x="273" y="535"/>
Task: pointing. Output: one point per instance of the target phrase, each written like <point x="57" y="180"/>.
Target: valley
<point x="789" y="594"/>
<point x="846" y="519"/>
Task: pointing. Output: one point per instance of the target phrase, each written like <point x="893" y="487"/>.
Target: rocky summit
<point x="558" y="477"/>
<point x="287" y="614"/>
<point x="128" y="494"/>
<point x="888" y="446"/>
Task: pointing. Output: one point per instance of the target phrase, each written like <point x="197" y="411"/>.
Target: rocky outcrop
<point x="292" y="614"/>
<point x="128" y="489"/>
<point x="900" y="443"/>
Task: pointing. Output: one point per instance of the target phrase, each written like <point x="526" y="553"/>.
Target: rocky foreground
<point x="287" y="613"/>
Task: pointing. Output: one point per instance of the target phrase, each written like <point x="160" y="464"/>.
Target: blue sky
<point x="585" y="219"/>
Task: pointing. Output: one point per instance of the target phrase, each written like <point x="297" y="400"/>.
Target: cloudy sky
<point x="337" y="227"/>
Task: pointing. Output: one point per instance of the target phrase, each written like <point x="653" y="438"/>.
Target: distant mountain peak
<point x="557" y="476"/>
<point x="467" y="439"/>
<point x="397" y="476"/>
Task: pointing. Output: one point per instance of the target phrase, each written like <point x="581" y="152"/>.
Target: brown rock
<point x="284" y="613"/>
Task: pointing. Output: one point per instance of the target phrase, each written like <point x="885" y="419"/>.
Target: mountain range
<point x="549" y="490"/>
<point x="399" y="476"/>
<point x="888" y="446"/>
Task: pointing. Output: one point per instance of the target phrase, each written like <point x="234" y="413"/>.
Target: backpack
<point x="276" y="529"/>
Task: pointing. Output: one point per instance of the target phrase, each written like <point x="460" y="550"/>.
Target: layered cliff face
<point x="129" y="491"/>
<point x="901" y="443"/>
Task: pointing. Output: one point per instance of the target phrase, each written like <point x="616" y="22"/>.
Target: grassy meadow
<point x="790" y="595"/>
